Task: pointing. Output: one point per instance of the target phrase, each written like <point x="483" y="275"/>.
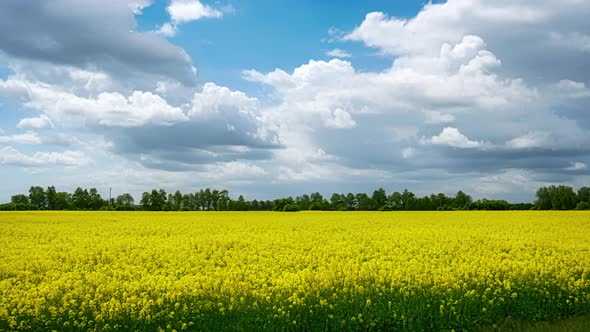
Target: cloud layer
<point x="462" y="105"/>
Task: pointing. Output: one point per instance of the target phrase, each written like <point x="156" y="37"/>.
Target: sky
<point x="276" y="98"/>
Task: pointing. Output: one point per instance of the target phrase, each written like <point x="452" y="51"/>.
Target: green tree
<point x="81" y="199"/>
<point x="63" y="201"/>
<point x="175" y="201"/>
<point x="338" y="202"/>
<point x="462" y="200"/>
<point x="408" y="200"/>
<point x="206" y="199"/>
<point x="158" y="200"/>
<point x="365" y="203"/>
<point x="146" y="201"/>
<point x="188" y="202"/>
<point x="584" y="194"/>
<point x="303" y="202"/>
<point x="223" y="200"/>
<point x="395" y="201"/>
<point x="95" y="201"/>
<point x="20" y="202"/>
<point x="51" y="198"/>
<point x="124" y="202"/>
<point x="37" y="198"/>
<point x="380" y="198"/>
<point x="351" y="203"/>
<point x="556" y="198"/>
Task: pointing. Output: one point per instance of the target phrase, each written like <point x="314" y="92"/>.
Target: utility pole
<point x="110" y="199"/>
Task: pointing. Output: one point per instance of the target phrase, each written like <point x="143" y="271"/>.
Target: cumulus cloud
<point x="39" y="122"/>
<point x="519" y="100"/>
<point x="577" y="166"/>
<point x="574" y="40"/>
<point x="11" y="156"/>
<point x="137" y="6"/>
<point x="452" y="137"/>
<point x="458" y="85"/>
<point x="408" y="152"/>
<point x="167" y="29"/>
<point x="27" y="138"/>
<point x="108" y="108"/>
<point x="70" y="32"/>
<point x="32" y="138"/>
<point x="436" y="117"/>
<point x="184" y="11"/>
<point x="448" y="22"/>
<point x="340" y="119"/>
<point x="571" y="89"/>
<point x="338" y="53"/>
<point x="530" y="140"/>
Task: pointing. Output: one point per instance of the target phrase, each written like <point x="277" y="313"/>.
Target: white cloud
<point x="408" y="152"/>
<point x="572" y="89"/>
<point x="108" y="108"/>
<point x="215" y="99"/>
<point x="437" y="24"/>
<point x="573" y="40"/>
<point x="137" y="6"/>
<point x="27" y="138"/>
<point x="530" y="140"/>
<point x="451" y="66"/>
<point x="11" y="156"/>
<point x="32" y="138"/>
<point x="507" y="181"/>
<point x="182" y="11"/>
<point x="338" y="53"/>
<point x="168" y="30"/>
<point x="530" y="23"/>
<point x="81" y="34"/>
<point x="577" y="166"/>
<point x="39" y="122"/>
<point x="340" y="119"/>
<point x="452" y="137"/>
<point x="436" y="117"/>
<point x="236" y="170"/>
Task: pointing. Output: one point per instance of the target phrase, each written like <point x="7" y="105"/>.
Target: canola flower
<point x="305" y="271"/>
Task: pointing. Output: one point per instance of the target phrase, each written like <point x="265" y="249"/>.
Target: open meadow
<point x="291" y="271"/>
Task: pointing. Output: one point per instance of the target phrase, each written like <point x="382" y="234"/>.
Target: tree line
<point x="39" y="198"/>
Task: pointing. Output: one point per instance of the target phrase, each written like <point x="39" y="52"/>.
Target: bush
<point x="445" y="208"/>
<point x="316" y="206"/>
<point x="7" y="207"/>
<point x="291" y="208"/>
<point x="583" y="206"/>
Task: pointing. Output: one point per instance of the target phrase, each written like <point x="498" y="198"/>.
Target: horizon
<point x="271" y="100"/>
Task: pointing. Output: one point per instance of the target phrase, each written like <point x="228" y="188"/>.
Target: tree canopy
<point x="39" y="198"/>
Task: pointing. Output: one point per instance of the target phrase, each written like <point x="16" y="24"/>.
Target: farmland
<point x="299" y="271"/>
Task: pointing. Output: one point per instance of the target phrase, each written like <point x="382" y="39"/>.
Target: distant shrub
<point x="445" y="208"/>
<point x="316" y="206"/>
<point x="583" y="206"/>
<point x="291" y="208"/>
<point x="7" y="207"/>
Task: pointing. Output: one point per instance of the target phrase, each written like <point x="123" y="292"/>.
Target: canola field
<point x="307" y="271"/>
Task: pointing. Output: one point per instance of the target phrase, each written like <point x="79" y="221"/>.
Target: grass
<point x="574" y="324"/>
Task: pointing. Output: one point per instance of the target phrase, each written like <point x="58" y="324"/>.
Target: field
<point x="301" y="271"/>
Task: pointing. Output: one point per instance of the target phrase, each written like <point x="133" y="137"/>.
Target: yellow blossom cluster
<point x="302" y="271"/>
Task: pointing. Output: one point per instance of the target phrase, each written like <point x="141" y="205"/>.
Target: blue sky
<point x="265" y="35"/>
<point x="276" y="98"/>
